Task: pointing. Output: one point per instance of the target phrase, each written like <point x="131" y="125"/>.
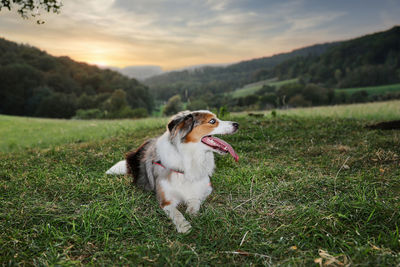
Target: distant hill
<point x="34" y="83"/>
<point x="139" y="72"/>
<point x="373" y="59"/>
<point x="367" y="67"/>
<point x="223" y="79"/>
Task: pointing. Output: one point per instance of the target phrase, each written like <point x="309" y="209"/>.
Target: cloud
<point x="309" y="22"/>
<point x="177" y="33"/>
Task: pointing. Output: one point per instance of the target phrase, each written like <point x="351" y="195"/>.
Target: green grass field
<point x="371" y="90"/>
<point x="388" y="110"/>
<point x="18" y="133"/>
<point x="312" y="186"/>
<point x="254" y="87"/>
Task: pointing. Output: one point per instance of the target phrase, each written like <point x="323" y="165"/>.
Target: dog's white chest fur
<point x="178" y="188"/>
<point x="197" y="165"/>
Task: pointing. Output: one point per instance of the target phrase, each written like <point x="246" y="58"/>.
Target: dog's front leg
<point x="204" y="189"/>
<point x="193" y="206"/>
<point x="182" y="226"/>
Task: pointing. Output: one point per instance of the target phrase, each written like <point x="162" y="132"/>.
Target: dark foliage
<point x="174" y="105"/>
<point x="369" y="60"/>
<point x="289" y="95"/>
<point x="219" y="80"/>
<point x="28" y="8"/>
<point x="33" y="83"/>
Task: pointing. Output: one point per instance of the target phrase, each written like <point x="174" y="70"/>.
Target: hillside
<point x="373" y="59"/>
<point x="34" y="83"/>
<point x="370" y="60"/>
<point x="216" y="80"/>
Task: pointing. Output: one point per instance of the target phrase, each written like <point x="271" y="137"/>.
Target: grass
<point x="306" y="189"/>
<point x="252" y="88"/>
<point x="388" y="110"/>
<point x="372" y="90"/>
<point x="18" y="133"/>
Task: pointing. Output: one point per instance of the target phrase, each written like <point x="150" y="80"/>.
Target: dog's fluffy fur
<point x="178" y="164"/>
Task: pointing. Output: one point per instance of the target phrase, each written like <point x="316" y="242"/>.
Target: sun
<point x="100" y="64"/>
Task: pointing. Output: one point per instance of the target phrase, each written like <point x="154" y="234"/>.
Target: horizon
<point x="110" y="33"/>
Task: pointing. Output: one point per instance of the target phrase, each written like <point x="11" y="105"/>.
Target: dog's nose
<point x="235" y="125"/>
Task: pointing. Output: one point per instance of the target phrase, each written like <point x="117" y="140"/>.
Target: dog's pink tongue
<point x="225" y="146"/>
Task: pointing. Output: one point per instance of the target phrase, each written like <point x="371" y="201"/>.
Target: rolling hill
<point x="224" y="79"/>
<point x="34" y="83"/>
<point x="373" y="59"/>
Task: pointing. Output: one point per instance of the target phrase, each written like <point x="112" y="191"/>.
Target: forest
<point x="34" y="83"/>
<point x="320" y="69"/>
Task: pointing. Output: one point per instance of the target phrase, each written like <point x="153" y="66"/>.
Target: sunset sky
<point x="177" y="33"/>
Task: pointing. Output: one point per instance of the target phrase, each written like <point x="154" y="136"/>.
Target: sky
<point x="174" y="34"/>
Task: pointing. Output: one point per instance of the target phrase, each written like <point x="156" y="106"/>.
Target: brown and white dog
<point x="178" y="164"/>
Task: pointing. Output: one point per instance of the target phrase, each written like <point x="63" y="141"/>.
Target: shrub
<point x="359" y="97"/>
<point x="266" y="89"/>
<point x="268" y="100"/>
<point x="197" y="104"/>
<point x="298" y="101"/>
<point x="85" y="114"/>
<point x="139" y="113"/>
<point x="174" y="105"/>
<point x="223" y="112"/>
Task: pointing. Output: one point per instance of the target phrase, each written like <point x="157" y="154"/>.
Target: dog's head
<point x="199" y="127"/>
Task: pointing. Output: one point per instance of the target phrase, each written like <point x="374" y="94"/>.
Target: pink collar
<point x="159" y="164"/>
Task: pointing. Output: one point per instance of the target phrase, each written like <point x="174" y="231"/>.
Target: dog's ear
<point x="181" y="124"/>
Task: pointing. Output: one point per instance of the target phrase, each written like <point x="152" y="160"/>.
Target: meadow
<point x="371" y="90"/>
<point x="312" y="187"/>
<point x="376" y="111"/>
<point x="252" y="88"/>
<point x="17" y="133"/>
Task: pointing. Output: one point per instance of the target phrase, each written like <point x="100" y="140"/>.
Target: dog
<point x="178" y="164"/>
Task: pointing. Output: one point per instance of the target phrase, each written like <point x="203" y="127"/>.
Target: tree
<point x="116" y="102"/>
<point x="31" y="7"/>
<point x="38" y="94"/>
<point x="16" y="87"/>
<point x="57" y="105"/>
<point x="285" y="92"/>
<point x="197" y="105"/>
<point x="316" y="95"/>
<point x="266" y="89"/>
<point x="268" y="100"/>
<point x="299" y="101"/>
<point x="247" y="100"/>
<point x="359" y="97"/>
<point x="174" y="105"/>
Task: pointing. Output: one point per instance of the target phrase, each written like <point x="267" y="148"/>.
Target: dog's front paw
<point x="193" y="210"/>
<point x="193" y="206"/>
<point x="183" y="227"/>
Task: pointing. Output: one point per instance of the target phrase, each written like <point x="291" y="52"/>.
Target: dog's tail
<point x="119" y="168"/>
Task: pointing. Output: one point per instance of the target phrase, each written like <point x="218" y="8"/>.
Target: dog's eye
<point x="212" y="121"/>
